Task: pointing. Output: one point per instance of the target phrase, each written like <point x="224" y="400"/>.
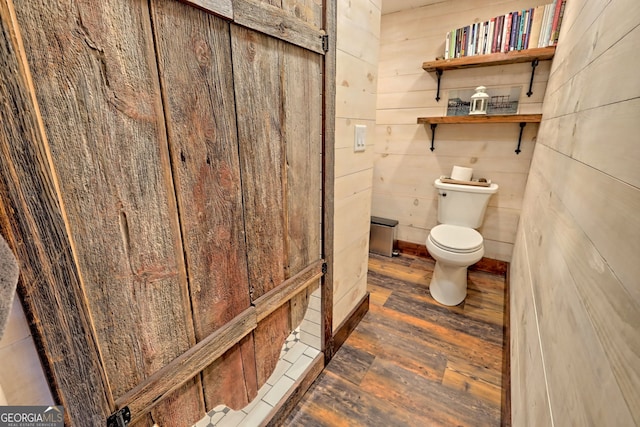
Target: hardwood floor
<point x="412" y="361"/>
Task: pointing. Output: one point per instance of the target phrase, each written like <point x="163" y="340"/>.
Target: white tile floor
<point x="295" y="357"/>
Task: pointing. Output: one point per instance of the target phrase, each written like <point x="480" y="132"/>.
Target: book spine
<point x="463" y="44"/>
<point x="528" y="32"/>
<point x="521" y="21"/>
<point x="503" y="39"/>
<point x="547" y="30"/>
<point x="536" y="24"/>
<point x="514" y="31"/>
<point x="496" y="29"/>
<point x="556" y="33"/>
<point x="507" y="39"/>
<point x="556" y="16"/>
<point x="500" y="32"/>
<point x="447" y="41"/>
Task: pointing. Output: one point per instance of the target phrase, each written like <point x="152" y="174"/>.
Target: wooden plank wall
<point x="575" y="287"/>
<point x="139" y="174"/>
<point x="356" y="76"/>
<point x="206" y="169"/>
<point x="404" y="167"/>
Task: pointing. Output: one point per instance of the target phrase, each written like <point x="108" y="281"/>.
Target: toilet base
<point x="448" y="284"/>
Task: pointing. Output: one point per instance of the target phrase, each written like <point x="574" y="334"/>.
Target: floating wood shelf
<point x="514" y="57"/>
<point x="481" y="118"/>
<point x="522" y="119"/>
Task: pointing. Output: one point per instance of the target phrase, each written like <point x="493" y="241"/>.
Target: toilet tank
<point x="463" y="205"/>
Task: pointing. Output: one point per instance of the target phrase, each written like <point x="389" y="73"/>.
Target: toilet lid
<point x="455" y="238"/>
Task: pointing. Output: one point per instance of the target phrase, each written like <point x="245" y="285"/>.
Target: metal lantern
<point x="479" y="101"/>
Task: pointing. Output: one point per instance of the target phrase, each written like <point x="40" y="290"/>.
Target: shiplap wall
<point x="404" y="168"/>
<point x="356" y="78"/>
<point x="575" y="282"/>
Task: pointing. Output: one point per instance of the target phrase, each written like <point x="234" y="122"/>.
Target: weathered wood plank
<point x="476" y="380"/>
<point x="424" y="399"/>
<point x="302" y="121"/>
<point x="409" y="366"/>
<point x="328" y="174"/>
<point x="309" y="11"/>
<point x="32" y="221"/>
<point x="98" y="91"/>
<point x="257" y="64"/>
<point x="223" y="8"/>
<point x="194" y="56"/>
<point x="144" y="396"/>
<point x="291" y="287"/>
<point x="278" y="23"/>
<point x="391" y="340"/>
<point x="334" y="405"/>
<point x="352" y="363"/>
<point x="428" y="309"/>
<point x="435" y="326"/>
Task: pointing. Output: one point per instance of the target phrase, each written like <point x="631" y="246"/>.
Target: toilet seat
<point x="456" y="239"/>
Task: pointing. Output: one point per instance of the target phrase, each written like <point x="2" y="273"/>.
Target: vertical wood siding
<point x="177" y="178"/>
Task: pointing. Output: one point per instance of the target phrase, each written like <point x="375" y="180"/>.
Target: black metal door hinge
<point x="120" y="418"/>
<point x="324" y="268"/>
<point x="325" y="42"/>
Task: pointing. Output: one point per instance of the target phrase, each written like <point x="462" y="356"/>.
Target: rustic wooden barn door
<point x="161" y="184"/>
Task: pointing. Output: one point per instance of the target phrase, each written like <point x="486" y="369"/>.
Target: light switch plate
<point x="360" y="139"/>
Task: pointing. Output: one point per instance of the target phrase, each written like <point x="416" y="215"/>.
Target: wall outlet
<point x="360" y="140"/>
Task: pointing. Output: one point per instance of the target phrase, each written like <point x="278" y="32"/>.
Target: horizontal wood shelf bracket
<point x="160" y="384"/>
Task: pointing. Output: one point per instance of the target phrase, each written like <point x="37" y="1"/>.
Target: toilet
<point x="454" y="243"/>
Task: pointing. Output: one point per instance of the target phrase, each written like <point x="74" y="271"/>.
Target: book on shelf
<point x="517" y="30"/>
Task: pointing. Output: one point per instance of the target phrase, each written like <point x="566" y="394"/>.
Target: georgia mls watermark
<point x="31" y="416"/>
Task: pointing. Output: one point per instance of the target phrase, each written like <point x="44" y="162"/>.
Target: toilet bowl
<point x="454" y="248"/>
<point x="454" y="243"/>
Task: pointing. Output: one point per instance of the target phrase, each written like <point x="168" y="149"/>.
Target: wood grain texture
<point x="302" y="117"/>
<point x="513" y="57"/>
<point x="405" y="363"/>
<point x="149" y="175"/>
<point x="33" y="224"/>
<point x="289" y="289"/>
<point x="497" y="118"/>
<point x="223" y="8"/>
<point x="310" y="11"/>
<point x="578" y="235"/>
<point x="194" y="57"/>
<point x="144" y="396"/>
<point x="276" y="22"/>
<point x="257" y="64"/>
<point x="100" y="100"/>
<point x="328" y="176"/>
